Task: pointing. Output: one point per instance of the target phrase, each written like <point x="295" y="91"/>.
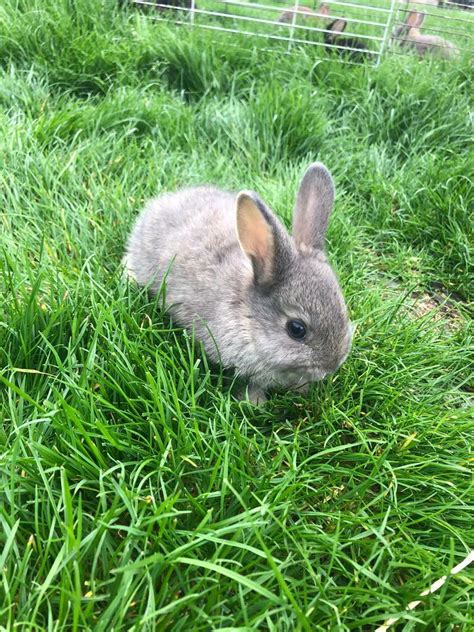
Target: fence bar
<point x="306" y="20"/>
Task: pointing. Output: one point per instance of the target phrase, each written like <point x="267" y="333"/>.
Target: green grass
<point x="135" y="492"/>
<point x="364" y="23"/>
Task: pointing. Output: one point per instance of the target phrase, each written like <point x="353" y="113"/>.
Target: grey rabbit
<point x="261" y="302"/>
<point x="304" y="13"/>
<point x="408" y="35"/>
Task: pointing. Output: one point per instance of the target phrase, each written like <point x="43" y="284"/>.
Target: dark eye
<point x="296" y="329"/>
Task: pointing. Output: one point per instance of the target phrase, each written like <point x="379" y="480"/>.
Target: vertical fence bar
<point x="459" y="39"/>
<point x="293" y="22"/>
<point x="386" y="32"/>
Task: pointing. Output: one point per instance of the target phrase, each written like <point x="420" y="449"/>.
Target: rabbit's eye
<point x="296" y="329"/>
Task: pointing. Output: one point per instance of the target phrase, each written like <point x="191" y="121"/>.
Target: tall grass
<point x="135" y="492"/>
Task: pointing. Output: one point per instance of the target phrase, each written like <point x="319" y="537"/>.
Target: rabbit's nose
<point x="331" y="366"/>
<point x="333" y="362"/>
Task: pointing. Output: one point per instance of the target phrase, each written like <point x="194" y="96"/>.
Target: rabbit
<point x="263" y="303"/>
<point x="304" y="13"/>
<point x="408" y="34"/>
<point x="344" y="45"/>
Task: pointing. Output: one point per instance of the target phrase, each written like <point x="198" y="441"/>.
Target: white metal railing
<point x="349" y="30"/>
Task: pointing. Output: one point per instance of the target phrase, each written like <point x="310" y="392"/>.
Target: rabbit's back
<point x="436" y="45"/>
<point x="190" y="238"/>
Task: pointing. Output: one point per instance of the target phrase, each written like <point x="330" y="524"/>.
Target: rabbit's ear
<point x="415" y="19"/>
<point x="261" y="237"/>
<point x="314" y="205"/>
<point x="338" y="26"/>
<point x="323" y="9"/>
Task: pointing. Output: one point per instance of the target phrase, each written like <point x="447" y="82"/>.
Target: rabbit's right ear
<point x="415" y="19"/>
<point x="261" y="238"/>
<point x="323" y="10"/>
<point x="314" y="205"/>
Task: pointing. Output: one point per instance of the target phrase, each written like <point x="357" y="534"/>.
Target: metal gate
<point x="351" y="31"/>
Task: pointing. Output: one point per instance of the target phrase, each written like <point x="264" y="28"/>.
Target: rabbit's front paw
<point x="253" y="394"/>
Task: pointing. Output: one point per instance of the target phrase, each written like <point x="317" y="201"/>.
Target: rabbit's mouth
<point x="300" y="377"/>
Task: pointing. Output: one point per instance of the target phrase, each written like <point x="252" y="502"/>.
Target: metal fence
<point x="352" y="31"/>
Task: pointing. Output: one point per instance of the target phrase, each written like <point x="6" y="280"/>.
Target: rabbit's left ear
<point x="261" y="237"/>
<point x="415" y="19"/>
<point x="313" y="208"/>
<point x="337" y="26"/>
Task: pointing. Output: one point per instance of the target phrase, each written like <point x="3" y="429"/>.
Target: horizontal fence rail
<point x="345" y="30"/>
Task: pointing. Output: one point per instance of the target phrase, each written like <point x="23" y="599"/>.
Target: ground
<point x="136" y="493"/>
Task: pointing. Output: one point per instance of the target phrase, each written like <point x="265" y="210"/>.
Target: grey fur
<point x="303" y="13"/>
<point x="314" y="204"/>
<point x="191" y="236"/>
<point x="409" y="35"/>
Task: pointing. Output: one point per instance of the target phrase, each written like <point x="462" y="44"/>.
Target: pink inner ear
<point x="254" y="232"/>
<point x="339" y="26"/>
<point x="415" y="19"/>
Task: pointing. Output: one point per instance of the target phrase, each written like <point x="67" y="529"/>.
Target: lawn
<point x="366" y="22"/>
<point x="136" y="493"/>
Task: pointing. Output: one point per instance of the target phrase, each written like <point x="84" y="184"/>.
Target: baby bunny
<point x="304" y="13"/>
<point x="350" y="46"/>
<point x="408" y="34"/>
<point x="261" y="302"/>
